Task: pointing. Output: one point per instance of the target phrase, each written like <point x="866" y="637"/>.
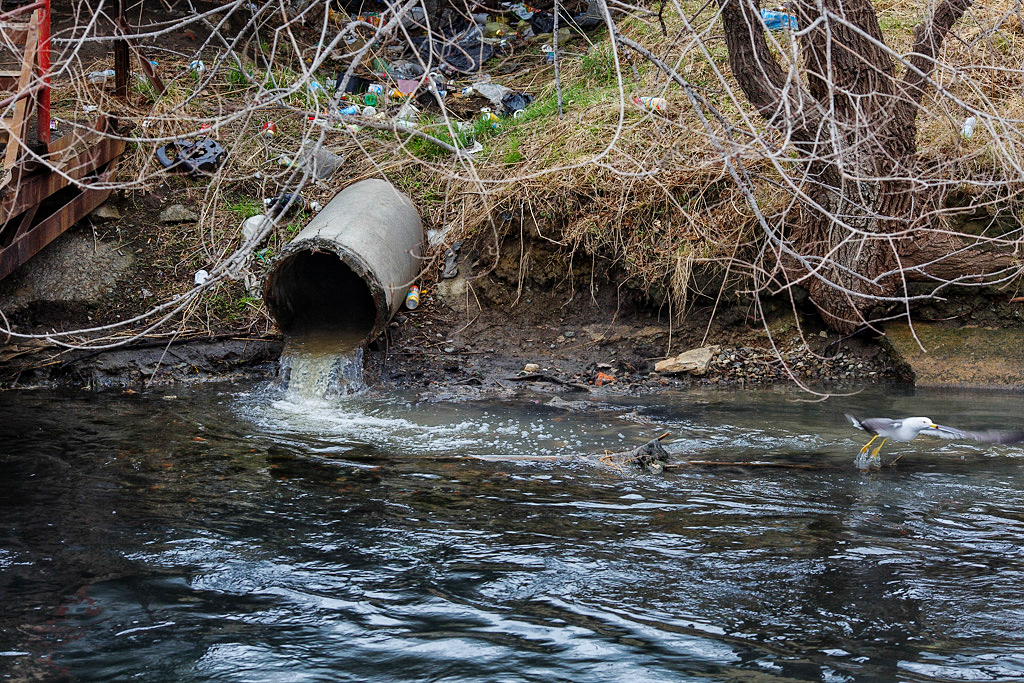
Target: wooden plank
<point x="14" y="32"/>
<point x="17" y="128"/>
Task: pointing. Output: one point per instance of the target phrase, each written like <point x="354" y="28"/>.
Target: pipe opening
<point x="315" y="291"/>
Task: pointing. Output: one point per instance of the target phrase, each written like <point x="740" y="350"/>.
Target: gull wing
<point x="875" y="425"/>
<point x="990" y="436"/>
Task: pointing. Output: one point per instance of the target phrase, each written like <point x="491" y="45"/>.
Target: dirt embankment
<point x="526" y="314"/>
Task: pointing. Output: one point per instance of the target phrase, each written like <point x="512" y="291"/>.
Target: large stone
<point x="106" y="211"/>
<point x="694" y="361"/>
<point x="177" y="213"/>
<point x="959" y="357"/>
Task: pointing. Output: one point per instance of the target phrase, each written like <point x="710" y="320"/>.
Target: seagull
<point x="908" y="428"/>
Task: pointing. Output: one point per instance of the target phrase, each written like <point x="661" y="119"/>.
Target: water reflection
<point x="258" y="536"/>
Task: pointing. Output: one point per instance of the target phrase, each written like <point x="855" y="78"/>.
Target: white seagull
<point x="908" y="428"/>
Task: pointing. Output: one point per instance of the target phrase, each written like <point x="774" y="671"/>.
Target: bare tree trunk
<point x="854" y="125"/>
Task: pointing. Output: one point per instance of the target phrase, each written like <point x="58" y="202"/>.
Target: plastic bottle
<point x="412" y="299"/>
<point x="370" y="99"/>
<point x="969" y="123"/>
<point x="653" y="103"/>
<point x="101" y="76"/>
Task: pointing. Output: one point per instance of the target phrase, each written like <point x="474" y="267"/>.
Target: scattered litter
<point x="200" y="279"/>
<point x="474" y="148"/>
<point x="777" y="21"/>
<point x="191" y="156"/>
<point x="284" y="203"/>
<point x="513" y="103"/>
<point x="969" y="123"/>
<point x="492" y="91"/>
<point x="451" y="260"/>
<point x="408" y="112"/>
<point x="268" y="129"/>
<point x="196" y="66"/>
<point x="412" y="299"/>
<point x="518" y="9"/>
<point x="100" y="77"/>
<point x="652" y="103"/>
<point x="321" y="162"/>
<point x="253" y="226"/>
<point x="487" y="115"/>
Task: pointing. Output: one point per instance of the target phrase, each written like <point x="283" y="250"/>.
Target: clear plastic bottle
<point x="101" y="76"/>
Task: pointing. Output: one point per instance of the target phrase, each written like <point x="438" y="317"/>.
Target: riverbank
<point x="480" y="332"/>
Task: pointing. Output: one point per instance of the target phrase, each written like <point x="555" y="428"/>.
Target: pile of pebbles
<point x="743" y="365"/>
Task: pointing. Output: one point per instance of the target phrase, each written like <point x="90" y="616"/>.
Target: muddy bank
<point x="140" y="365"/>
<point x="538" y="321"/>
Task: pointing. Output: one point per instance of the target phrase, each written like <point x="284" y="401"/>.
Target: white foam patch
<point x="421" y="429"/>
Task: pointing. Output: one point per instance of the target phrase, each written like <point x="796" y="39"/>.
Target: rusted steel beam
<point x="148" y="69"/>
<point x="30" y="189"/>
<point x="6" y="16"/>
<point x="122" y="65"/>
<point x="32" y="240"/>
<point x="4" y="103"/>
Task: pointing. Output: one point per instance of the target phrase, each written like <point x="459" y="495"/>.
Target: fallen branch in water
<point x="651" y="457"/>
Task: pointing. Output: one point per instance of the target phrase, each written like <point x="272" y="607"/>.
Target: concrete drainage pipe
<point x="350" y="268"/>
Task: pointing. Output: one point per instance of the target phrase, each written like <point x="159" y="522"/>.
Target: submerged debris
<point x="651" y="457"/>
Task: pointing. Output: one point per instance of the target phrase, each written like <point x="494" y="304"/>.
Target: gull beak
<point x="935" y="426"/>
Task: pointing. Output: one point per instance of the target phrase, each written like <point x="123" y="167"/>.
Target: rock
<point x="177" y="213"/>
<point x="531" y="367"/>
<point x="105" y="212"/>
<point x="694" y="361"/>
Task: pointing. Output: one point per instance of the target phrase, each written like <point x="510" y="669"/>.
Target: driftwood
<point x="651" y="457"/>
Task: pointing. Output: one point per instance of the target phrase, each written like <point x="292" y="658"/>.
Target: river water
<point x="235" y="533"/>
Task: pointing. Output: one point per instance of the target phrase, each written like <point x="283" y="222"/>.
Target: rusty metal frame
<point x="75" y="161"/>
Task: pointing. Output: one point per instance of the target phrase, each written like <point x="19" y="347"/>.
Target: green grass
<point x="598" y="64"/>
<point x="244" y="207"/>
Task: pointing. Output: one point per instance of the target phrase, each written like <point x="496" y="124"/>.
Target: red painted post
<point x="43" y="115"/>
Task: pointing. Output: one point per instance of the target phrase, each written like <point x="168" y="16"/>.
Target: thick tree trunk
<point x="854" y="127"/>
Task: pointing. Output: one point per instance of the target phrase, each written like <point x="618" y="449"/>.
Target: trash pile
<point x="437" y="65"/>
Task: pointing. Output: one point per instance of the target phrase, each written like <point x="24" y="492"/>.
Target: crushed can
<point x="268" y="129"/>
<point x="412" y="299"/>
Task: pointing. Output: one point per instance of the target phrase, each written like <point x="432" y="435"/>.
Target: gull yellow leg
<point x="878" y="449"/>
<point x="868" y="444"/>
